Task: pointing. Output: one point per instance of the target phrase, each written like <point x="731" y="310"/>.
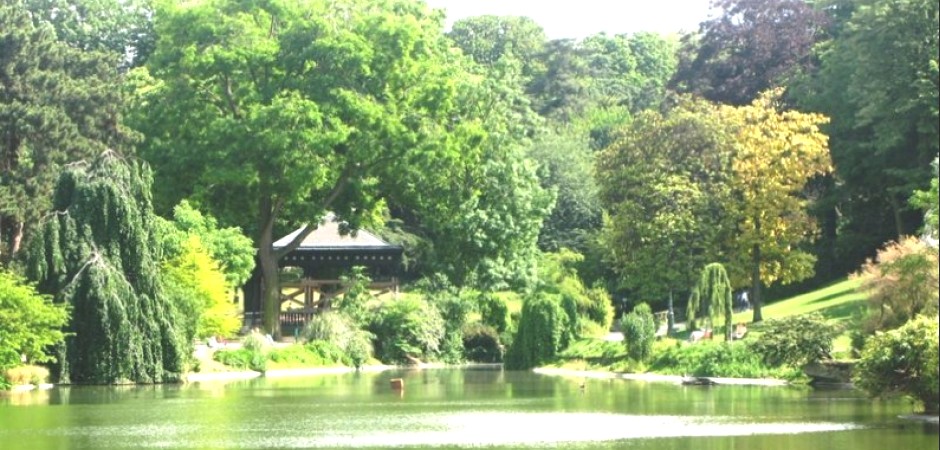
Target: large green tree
<point x="665" y="182"/>
<point x="269" y="114"/>
<point x="58" y="104"/>
<point x="95" y="253"/>
<point x="879" y="82"/>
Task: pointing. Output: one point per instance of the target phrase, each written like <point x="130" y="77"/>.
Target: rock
<point x="829" y="371"/>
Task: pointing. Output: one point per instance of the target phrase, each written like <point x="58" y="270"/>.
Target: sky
<point x="580" y="18"/>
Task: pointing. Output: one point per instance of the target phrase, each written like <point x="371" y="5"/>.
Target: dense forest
<point x="144" y="141"/>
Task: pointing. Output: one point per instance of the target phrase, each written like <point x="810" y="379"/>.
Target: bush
<point x="407" y="327"/>
<point x="494" y="312"/>
<point x="639" y="332"/>
<point x="27" y="374"/>
<point x="543" y="332"/>
<point x="903" y="361"/>
<point x="902" y="282"/>
<point x="242" y="358"/>
<point x="795" y="340"/>
<point x="715" y="359"/>
<point x="481" y="343"/>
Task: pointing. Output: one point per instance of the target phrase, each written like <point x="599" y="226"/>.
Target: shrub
<point x="543" y="332"/>
<point x="256" y="342"/>
<point x="242" y="358"/>
<point x="407" y="327"/>
<point x="494" y="312"/>
<point x="329" y="326"/>
<point x="481" y="343"/>
<point x="795" y="340"/>
<point x="27" y="374"/>
<point x="714" y="359"/>
<point x="902" y="282"/>
<point x="639" y="332"/>
<point x="903" y="361"/>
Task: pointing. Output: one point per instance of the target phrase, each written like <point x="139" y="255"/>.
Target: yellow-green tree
<point x="778" y="152"/>
<point x="199" y="292"/>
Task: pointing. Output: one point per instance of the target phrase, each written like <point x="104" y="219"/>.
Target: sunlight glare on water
<point x="539" y="429"/>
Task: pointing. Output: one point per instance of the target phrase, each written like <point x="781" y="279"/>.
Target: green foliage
<point x="902" y="282"/>
<point x="228" y="247"/>
<point x="639" y="332"/>
<point x="198" y="291"/>
<point x="665" y="184"/>
<point x="903" y="361"/>
<point x="594" y="352"/>
<point x="494" y="312"/>
<point x="407" y="327"/>
<point x="558" y="276"/>
<point x="879" y="81"/>
<point x="242" y="358"/>
<point x="95" y="253"/>
<point x="544" y="330"/>
<point x="63" y="107"/>
<point x="355" y="301"/>
<point x="566" y="166"/>
<point x="312" y="354"/>
<point x="339" y="330"/>
<point x="928" y="201"/>
<point x="31" y="323"/>
<point x="715" y="359"/>
<point x="711" y="296"/>
<point x="794" y="341"/>
<point x="481" y="343"/>
<point x="120" y="27"/>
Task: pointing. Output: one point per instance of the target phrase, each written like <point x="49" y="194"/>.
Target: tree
<point x="566" y="167"/>
<point x="272" y="113"/>
<point x="878" y="81"/>
<point x="903" y="361"/>
<point x="753" y="46"/>
<point x="58" y="104"/>
<point x="31" y="322"/>
<point x="121" y="27"/>
<point x="665" y="183"/>
<point x="543" y="332"/>
<point x="200" y="293"/>
<point x="227" y="247"/>
<point x="639" y="332"/>
<point x="927" y="201"/>
<point x="778" y="153"/>
<point x="94" y="252"/>
<point x="493" y="40"/>
<point x="712" y="296"/>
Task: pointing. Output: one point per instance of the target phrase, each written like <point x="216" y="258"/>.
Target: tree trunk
<point x="755" y="274"/>
<point x="755" y="283"/>
<point x="270" y="284"/>
<point x="898" y="219"/>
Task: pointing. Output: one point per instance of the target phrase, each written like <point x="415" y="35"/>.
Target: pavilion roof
<point x="328" y="236"/>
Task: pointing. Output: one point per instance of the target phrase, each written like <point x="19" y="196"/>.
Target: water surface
<point x="455" y="408"/>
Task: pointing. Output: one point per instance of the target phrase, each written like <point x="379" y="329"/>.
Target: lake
<point x="455" y="408"/>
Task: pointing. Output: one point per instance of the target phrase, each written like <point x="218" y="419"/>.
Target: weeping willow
<point x="712" y="297"/>
<point x="95" y="253"/>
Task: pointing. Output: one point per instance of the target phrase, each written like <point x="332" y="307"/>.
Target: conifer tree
<point x="95" y="253"/>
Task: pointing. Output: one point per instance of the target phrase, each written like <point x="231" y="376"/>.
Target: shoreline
<point x="657" y="378"/>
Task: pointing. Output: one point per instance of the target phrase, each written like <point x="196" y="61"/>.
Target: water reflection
<point x="456" y="409"/>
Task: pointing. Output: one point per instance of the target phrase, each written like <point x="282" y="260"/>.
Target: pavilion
<point x="310" y="274"/>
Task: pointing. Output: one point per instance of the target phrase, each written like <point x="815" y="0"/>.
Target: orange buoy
<point x="397" y="384"/>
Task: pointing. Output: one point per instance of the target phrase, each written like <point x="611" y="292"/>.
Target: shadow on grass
<point x="833" y="296"/>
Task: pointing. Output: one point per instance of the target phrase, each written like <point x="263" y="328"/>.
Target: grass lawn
<point x="838" y="302"/>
